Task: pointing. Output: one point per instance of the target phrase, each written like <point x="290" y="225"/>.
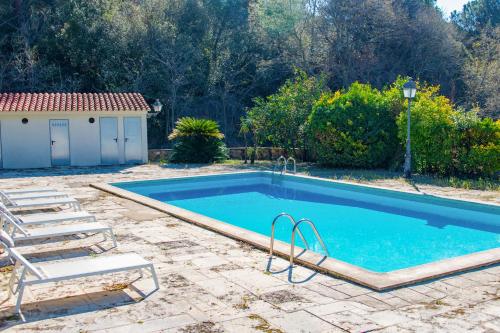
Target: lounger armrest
<point x="24" y="262"/>
<point x="10" y="220"/>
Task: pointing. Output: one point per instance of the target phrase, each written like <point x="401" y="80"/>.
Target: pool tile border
<point x="316" y="261"/>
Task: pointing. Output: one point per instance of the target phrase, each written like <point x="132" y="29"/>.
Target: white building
<point x="59" y="129"/>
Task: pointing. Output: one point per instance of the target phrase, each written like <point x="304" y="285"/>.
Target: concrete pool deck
<point x="211" y="283"/>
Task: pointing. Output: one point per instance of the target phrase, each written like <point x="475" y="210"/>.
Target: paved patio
<point x="210" y="283"/>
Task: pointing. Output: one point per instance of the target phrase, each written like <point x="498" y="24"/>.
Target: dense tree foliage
<point x="366" y="127"/>
<point x="281" y="118"/>
<point x="212" y="58"/>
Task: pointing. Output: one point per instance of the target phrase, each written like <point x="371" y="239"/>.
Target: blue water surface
<point x="380" y="231"/>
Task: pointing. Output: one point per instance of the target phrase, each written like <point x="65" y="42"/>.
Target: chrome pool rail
<point x="294" y="164"/>
<point x="282" y="160"/>
<point x="296" y="228"/>
<point x="292" y="220"/>
<point x="278" y="164"/>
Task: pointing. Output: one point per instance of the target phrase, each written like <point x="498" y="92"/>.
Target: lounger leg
<point x="155" y="278"/>
<point x="113" y="237"/>
<point x="12" y="281"/>
<point x="20" y="297"/>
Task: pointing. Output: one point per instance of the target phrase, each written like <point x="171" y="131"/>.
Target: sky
<point x="450" y="5"/>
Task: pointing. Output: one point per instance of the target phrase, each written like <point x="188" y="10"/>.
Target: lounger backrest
<point x="4" y="211"/>
<point x="4" y="198"/>
<point x="11" y="220"/>
<point x="6" y="241"/>
<point x="24" y="262"/>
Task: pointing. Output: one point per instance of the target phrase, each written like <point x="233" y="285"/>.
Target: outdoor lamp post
<point x="156" y="108"/>
<point x="409" y="91"/>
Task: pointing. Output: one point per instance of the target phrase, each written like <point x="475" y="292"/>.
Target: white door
<point x="133" y="139"/>
<point x="109" y="140"/>
<point x="59" y="142"/>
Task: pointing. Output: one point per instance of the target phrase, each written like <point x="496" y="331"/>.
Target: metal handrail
<point x="285" y="160"/>
<point x="281" y="158"/>
<point x="294" y="164"/>
<point x="292" y="220"/>
<point x="292" y="243"/>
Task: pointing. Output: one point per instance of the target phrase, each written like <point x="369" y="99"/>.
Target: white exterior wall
<point x="25" y="144"/>
<point x="28" y="145"/>
<point x="144" y="123"/>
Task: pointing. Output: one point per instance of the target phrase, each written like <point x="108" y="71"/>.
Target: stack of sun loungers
<point x="16" y="228"/>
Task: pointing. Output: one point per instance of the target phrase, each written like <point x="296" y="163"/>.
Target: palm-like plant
<point x="197" y="141"/>
<point x="190" y="126"/>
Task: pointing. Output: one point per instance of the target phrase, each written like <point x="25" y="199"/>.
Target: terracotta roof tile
<point x="77" y="102"/>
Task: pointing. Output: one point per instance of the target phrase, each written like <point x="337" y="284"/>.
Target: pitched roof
<point x="79" y="102"/>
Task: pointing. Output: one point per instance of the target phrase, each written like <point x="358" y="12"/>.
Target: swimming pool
<point x="380" y="231"/>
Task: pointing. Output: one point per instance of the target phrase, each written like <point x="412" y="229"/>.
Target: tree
<point x="281" y="118"/>
<point x="375" y="41"/>
<point x="477" y="15"/>
<point x="481" y="73"/>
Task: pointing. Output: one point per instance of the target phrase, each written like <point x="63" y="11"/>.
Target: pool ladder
<point x="282" y="163"/>
<point x="294" y="230"/>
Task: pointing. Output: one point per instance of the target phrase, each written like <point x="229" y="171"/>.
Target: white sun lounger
<point x="27" y="274"/>
<point x="35" y="195"/>
<point x="18" y="233"/>
<point x="8" y="196"/>
<point x="41" y="202"/>
<point x="47" y="218"/>
<point x="30" y="190"/>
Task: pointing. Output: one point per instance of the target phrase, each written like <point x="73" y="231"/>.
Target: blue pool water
<point x="376" y="229"/>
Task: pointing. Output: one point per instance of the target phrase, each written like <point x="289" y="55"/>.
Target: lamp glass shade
<point x="410" y="89"/>
<point x="157" y="106"/>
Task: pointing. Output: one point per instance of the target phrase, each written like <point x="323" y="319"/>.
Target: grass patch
<point x="468" y="184"/>
<point x="263" y="325"/>
<point x="116" y="287"/>
<point x="436" y="304"/>
<point x="243" y="305"/>
<point x="7" y="269"/>
<point x="12" y="317"/>
<point x="203" y="327"/>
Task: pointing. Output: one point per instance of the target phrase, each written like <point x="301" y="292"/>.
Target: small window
<point x="24" y="121"/>
<point x="91" y="120"/>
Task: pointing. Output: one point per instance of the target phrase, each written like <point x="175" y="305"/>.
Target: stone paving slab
<point x="210" y="283"/>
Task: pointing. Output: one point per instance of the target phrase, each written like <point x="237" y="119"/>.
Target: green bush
<point x="197" y="141"/>
<point x="353" y="128"/>
<point x="477" y="145"/>
<point x="445" y="141"/>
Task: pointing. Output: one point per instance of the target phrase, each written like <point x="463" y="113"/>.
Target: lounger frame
<point x="10" y="227"/>
<point x="45" y="202"/>
<point x="56" y="218"/>
<point x="17" y="281"/>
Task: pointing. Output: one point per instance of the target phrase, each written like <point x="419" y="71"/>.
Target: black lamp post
<point x="156" y="109"/>
<point x="409" y="91"/>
